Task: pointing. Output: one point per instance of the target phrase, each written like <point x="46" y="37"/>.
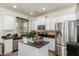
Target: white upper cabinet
<point x="0" y="20"/>
<point x="68" y="17"/>
<point x="1" y="33"/>
<point x="60" y="19"/>
<point x="71" y="17"/>
<point x="42" y="20"/>
<point x="38" y="21"/>
<point x="47" y="24"/>
<point x="35" y="24"/>
<point x="50" y="21"/>
<point x="52" y="24"/>
<point x="9" y="22"/>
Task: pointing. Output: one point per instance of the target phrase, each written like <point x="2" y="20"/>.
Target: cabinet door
<point x="0" y="49"/>
<point x="47" y="24"/>
<point x="8" y="22"/>
<point x="0" y="20"/>
<point x="52" y="24"/>
<point x="0" y="23"/>
<point x="1" y="30"/>
<point x="42" y="20"/>
<point x="8" y="46"/>
<point x="51" y="43"/>
<point x="71" y="17"/>
<point x="35" y="23"/>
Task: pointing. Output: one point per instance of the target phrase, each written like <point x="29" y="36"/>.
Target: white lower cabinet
<point x="8" y="46"/>
<point x="51" y="43"/>
<point x="27" y="50"/>
<point x="0" y="49"/>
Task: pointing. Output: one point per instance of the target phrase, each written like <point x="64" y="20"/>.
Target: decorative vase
<point x="25" y="40"/>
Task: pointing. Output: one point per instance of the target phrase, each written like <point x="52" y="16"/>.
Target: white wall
<point x="54" y="17"/>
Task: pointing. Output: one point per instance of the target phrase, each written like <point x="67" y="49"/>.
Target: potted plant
<point x="34" y="37"/>
<point x="31" y="35"/>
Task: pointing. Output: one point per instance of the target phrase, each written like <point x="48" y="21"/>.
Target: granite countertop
<point x="5" y="38"/>
<point x="36" y="45"/>
<point x="14" y="38"/>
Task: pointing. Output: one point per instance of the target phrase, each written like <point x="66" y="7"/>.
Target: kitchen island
<point x="31" y="49"/>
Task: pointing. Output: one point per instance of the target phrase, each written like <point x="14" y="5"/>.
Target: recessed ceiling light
<point x="43" y="8"/>
<point x="31" y="13"/>
<point x="14" y="6"/>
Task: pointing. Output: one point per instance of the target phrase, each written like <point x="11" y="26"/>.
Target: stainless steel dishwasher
<point x="15" y="43"/>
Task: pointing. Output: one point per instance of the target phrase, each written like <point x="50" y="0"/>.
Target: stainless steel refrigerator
<point x="65" y="32"/>
<point x="72" y="31"/>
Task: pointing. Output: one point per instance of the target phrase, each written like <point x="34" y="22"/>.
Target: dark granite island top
<point x="36" y="45"/>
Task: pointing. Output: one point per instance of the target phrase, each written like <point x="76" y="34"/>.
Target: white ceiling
<point x="26" y="8"/>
